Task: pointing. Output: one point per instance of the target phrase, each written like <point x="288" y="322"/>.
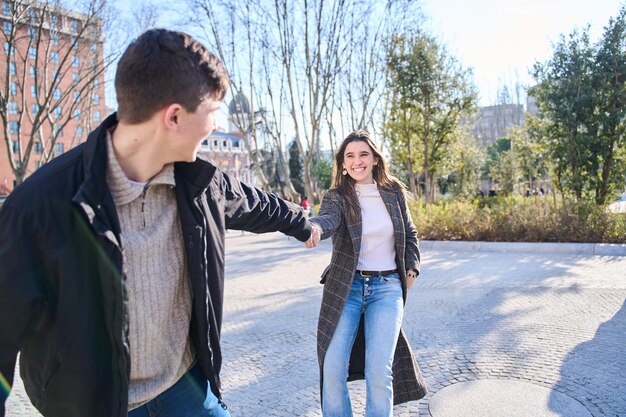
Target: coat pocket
<point x="325" y="274"/>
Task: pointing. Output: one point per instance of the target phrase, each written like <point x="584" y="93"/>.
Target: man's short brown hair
<point x="162" y="67"/>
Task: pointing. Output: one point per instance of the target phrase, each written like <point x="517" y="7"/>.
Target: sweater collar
<point x="124" y="190"/>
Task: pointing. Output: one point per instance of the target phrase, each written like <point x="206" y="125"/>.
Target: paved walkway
<point x="555" y="320"/>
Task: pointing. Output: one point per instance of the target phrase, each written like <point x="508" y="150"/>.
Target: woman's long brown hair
<point x="345" y="183"/>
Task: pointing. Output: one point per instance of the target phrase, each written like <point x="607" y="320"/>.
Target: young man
<point x="112" y="255"/>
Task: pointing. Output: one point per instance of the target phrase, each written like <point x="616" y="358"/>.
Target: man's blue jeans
<point x="380" y="299"/>
<point x="189" y="397"/>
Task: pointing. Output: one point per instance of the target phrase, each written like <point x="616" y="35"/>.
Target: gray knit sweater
<point x="159" y="296"/>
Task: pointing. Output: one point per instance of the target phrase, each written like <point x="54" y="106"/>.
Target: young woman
<point x="375" y="260"/>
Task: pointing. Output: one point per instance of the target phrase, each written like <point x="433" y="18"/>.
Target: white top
<point x="378" y="251"/>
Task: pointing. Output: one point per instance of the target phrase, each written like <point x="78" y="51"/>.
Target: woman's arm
<point x="411" y="250"/>
<point x="330" y="215"/>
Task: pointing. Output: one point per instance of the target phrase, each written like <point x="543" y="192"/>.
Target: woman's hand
<point x="315" y="237"/>
<point x="411" y="275"/>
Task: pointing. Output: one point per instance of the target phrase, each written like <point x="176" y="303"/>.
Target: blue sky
<point x="499" y="39"/>
<point x="502" y="39"/>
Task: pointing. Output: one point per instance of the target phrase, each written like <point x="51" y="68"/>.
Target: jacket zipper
<point x="197" y="204"/>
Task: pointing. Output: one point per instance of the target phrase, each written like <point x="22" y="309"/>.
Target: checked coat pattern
<point x="408" y="383"/>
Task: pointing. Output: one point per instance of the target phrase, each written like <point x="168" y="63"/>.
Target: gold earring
<point x="344" y="172"/>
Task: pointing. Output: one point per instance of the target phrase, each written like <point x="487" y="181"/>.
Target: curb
<point x="589" y="249"/>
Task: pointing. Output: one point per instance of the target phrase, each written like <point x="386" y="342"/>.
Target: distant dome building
<point x="226" y="150"/>
<point x="239" y="104"/>
<point x="238" y="111"/>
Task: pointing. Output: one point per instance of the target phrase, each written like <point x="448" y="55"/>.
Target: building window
<point x="34" y="109"/>
<point x="54" y="21"/>
<point x="54" y="38"/>
<point x="14" y="128"/>
<point x="75" y="61"/>
<point x="13" y="68"/>
<point x="94" y="48"/>
<point x="13" y="89"/>
<point x="76" y="95"/>
<point x="32" y="15"/>
<point x="7" y="27"/>
<point x="74" y="26"/>
<point x="56" y="94"/>
<point x="77" y="113"/>
<point x="6" y="47"/>
<point x="75" y="43"/>
<point x="12" y="107"/>
<point x="58" y="131"/>
<point x="38" y="148"/>
<point x="32" y="52"/>
<point x="96" y="116"/>
<point x="15" y="145"/>
<point x="79" y="132"/>
<point x="54" y="57"/>
<point x="96" y="83"/>
<point x="33" y="34"/>
<point x="33" y="91"/>
<point x="6" y="8"/>
<point x="58" y="112"/>
<point x="32" y="71"/>
<point x="96" y="99"/>
<point x="58" y="148"/>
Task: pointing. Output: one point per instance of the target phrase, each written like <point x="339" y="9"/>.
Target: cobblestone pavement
<point x="550" y="319"/>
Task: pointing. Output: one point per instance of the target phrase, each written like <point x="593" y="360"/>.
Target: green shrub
<point x="519" y="219"/>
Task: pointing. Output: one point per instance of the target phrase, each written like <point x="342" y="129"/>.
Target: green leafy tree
<point x="493" y="152"/>
<point x="530" y="154"/>
<point x="506" y="172"/>
<point x="322" y="172"/>
<point x="295" y="167"/>
<point x="462" y="165"/>
<point x="609" y="125"/>
<point x="429" y="92"/>
<point x="581" y="94"/>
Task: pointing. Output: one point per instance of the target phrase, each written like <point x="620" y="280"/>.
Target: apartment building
<point x="51" y="83"/>
<point x="494" y="122"/>
<point x="227" y="152"/>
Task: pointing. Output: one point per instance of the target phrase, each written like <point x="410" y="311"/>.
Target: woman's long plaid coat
<point x="408" y="384"/>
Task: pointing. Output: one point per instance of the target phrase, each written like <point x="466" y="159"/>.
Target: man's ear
<point x="171" y="116"/>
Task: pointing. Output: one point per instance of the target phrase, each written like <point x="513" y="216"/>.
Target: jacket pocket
<point x="325" y="274"/>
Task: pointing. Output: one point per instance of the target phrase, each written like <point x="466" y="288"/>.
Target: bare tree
<point x="312" y="39"/>
<point x="145" y="16"/>
<point x="232" y="27"/>
<point x="362" y="87"/>
<point x="318" y="66"/>
<point x="53" y="63"/>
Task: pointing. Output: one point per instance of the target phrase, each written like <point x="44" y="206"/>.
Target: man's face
<point x="195" y="127"/>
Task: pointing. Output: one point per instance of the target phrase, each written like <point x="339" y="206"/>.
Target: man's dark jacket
<point x="63" y="296"/>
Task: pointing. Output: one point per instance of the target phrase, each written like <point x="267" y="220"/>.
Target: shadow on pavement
<point x="599" y="365"/>
<point x="505" y="316"/>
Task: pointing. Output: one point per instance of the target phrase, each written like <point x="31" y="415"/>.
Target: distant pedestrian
<point x="375" y="261"/>
<point x="112" y="255"/>
<point x="305" y="205"/>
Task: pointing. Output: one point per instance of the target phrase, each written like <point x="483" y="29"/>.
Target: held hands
<point x="316" y="235"/>
<point x="411" y="274"/>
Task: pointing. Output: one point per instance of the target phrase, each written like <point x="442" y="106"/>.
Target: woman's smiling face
<point x="359" y="161"/>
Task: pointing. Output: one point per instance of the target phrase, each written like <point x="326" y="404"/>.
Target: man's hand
<point x="411" y="274"/>
<point x="316" y="235"/>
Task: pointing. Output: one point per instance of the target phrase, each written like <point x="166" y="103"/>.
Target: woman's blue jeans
<point x="189" y="397"/>
<point x="380" y="299"/>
